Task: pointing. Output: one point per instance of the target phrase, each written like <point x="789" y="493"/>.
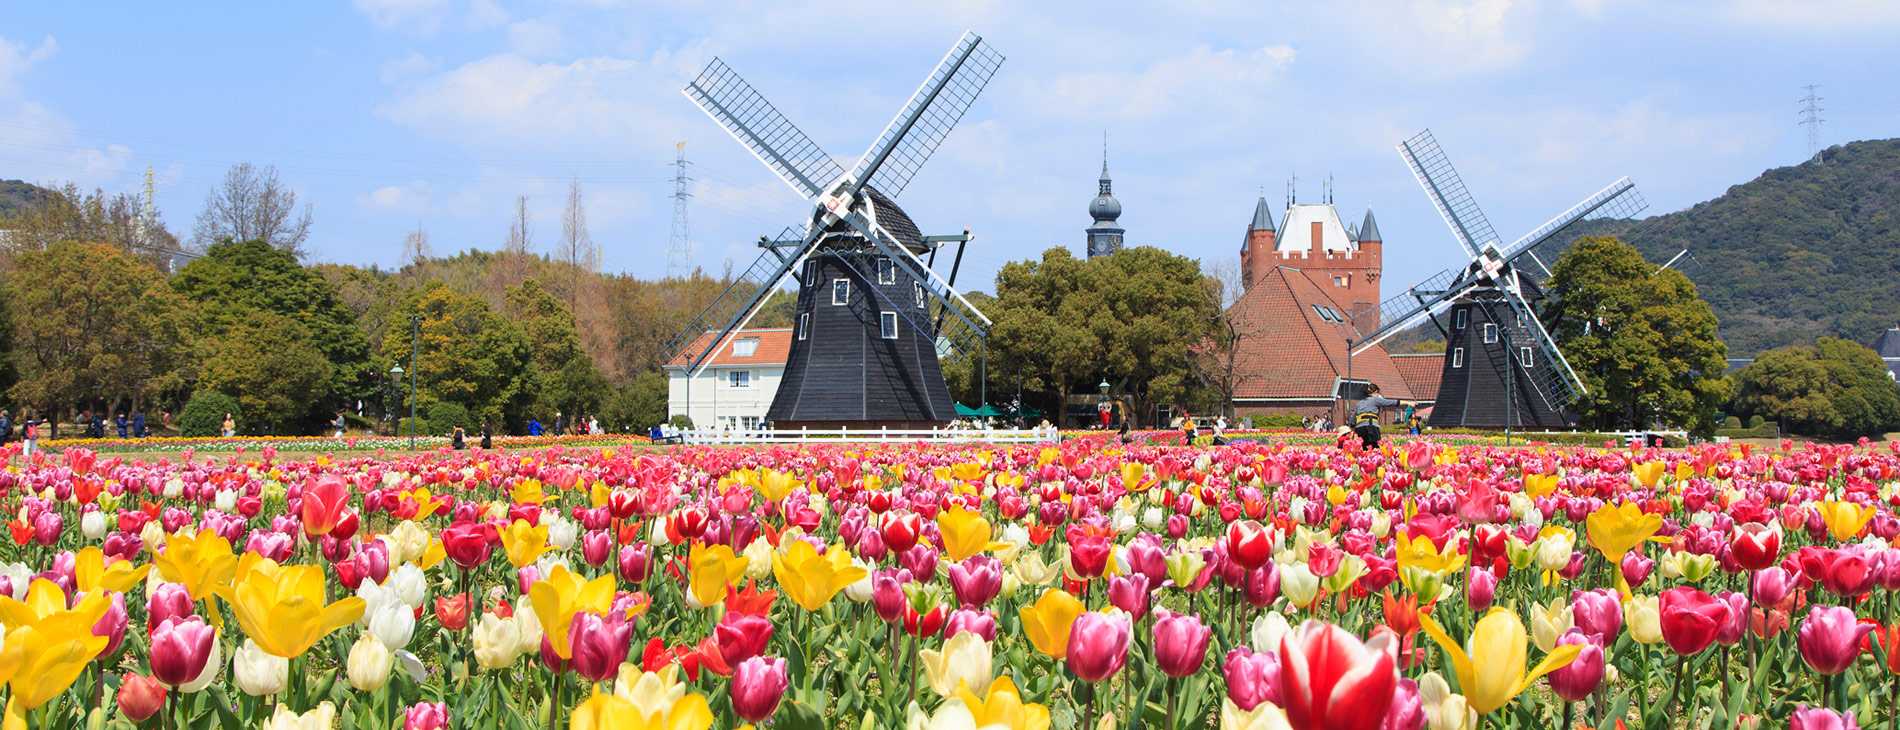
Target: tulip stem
<point x="1174" y="686"/>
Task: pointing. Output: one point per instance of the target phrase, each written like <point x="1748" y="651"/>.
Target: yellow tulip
<point x="281" y="607"/>
<point x="963" y="664"/>
<point x="562" y="594"/>
<point x="971" y="471"/>
<point x="46" y="657"/>
<point x="965" y="533"/>
<point x="1844" y="519"/>
<point x="810" y="579"/>
<point x="1643" y="616"/>
<point x="1492" y="672"/>
<point x="650" y="691"/>
<point x="1048" y="620"/>
<point x="90" y="572"/>
<point x="612" y="712"/>
<point x="1648" y="473"/>
<point x="431" y="555"/>
<point x="774" y="484"/>
<point x="524" y="543"/>
<point x="1420" y="552"/>
<point x="714" y="569"/>
<point x="1615" y="531"/>
<point x="46" y="601"/>
<point x="1539" y="485"/>
<point x="204" y="563"/>
<point x="1002" y="706"/>
<point x="527" y="491"/>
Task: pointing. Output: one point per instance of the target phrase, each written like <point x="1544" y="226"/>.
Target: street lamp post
<point x="395" y="386"/>
<point x="1103" y="386"/>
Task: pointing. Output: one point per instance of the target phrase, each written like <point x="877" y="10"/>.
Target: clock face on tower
<point x="1103" y="245"/>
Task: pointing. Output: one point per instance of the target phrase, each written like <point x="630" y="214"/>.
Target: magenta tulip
<point x="1481" y="588"/>
<point x="742" y="636"/>
<point x="1180" y="643"/>
<point x="426" y="716"/>
<point x="169" y="600"/>
<point x="1731" y="633"/>
<point x="1408" y="708"/>
<point x="111" y="625"/>
<point x="598" y="644"/>
<point x="1130" y="594"/>
<point x="596" y="546"/>
<point x="1829" y="638"/>
<point x="757" y="686"/>
<point x="1772" y="586"/>
<point x="180" y="650"/>
<point x="1098" y="645"/>
<point x="976" y="580"/>
<point x="968" y="618"/>
<point x="1636" y="568"/>
<point x="1597" y="613"/>
<point x="1252" y="678"/>
<point x="635" y="562"/>
<point x="1820" y="718"/>
<point x="1576" y="680"/>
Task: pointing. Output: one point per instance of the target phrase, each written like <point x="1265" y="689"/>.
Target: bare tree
<point x="252" y="204"/>
<point x="519" y="238"/>
<point x="415" y="247"/>
<point x="576" y="248"/>
<point x="1219" y="359"/>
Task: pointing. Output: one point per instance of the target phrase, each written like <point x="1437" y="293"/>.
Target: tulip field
<point x="1086" y="584"/>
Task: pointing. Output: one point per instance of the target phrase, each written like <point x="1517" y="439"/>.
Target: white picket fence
<point x="881" y="435"/>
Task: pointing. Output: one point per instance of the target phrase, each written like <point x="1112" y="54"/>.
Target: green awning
<point x="989" y="411"/>
<point x="966" y="411"/>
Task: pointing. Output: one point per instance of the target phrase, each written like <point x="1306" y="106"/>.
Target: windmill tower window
<point x="1458" y="319"/>
<point x="840" y="292"/>
<point x="887" y="324"/>
<point x="804" y="326"/>
<point x="1458" y="357"/>
<point x="917" y="293"/>
<point x="886" y="271"/>
<point x="1490" y="333"/>
<point x="1524" y="356"/>
<point x="745" y="346"/>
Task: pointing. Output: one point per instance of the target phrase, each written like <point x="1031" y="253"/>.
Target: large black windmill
<point x="1502" y="370"/>
<point x="874" y="321"/>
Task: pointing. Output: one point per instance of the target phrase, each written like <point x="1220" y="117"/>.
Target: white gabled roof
<point x="1296" y="229"/>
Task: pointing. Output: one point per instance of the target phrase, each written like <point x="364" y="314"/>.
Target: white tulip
<point x="394" y="624"/>
<point x="410" y="585"/>
<point x="257" y="672"/>
<point x="562" y="533"/>
<point x="93" y="525"/>
<point x="213" y="665"/>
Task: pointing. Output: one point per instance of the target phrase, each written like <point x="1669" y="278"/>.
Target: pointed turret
<point x="1257" y="246"/>
<point x="1262" y="216"/>
<point x="1369" y="229"/>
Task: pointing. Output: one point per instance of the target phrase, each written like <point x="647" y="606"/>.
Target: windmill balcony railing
<point x="710" y="436"/>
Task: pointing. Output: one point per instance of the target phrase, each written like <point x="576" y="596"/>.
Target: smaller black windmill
<point x="874" y="322"/>
<point x="1502" y="369"/>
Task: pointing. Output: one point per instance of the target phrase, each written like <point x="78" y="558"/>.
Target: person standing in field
<point x="230" y="426"/>
<point x="1365" y="416"/>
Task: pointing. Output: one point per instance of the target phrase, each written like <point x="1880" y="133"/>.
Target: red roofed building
<point x="1300" y="293"/>
<point x="735" y="386"/>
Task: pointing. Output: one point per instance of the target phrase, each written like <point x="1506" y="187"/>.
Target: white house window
<point x="750" y="423"/>
<point x="739" y="378"/>
<point x="1524" y="356"/>
<point x="840" y="292"/>
<point x="804" y="325"/>
<point x="1458" y="357"/>
<point x="1458" y="319"/>
<point x="917" y="293"/>
<point x="745" y="346"/>
<point x="887" y="324"/>
<point x="886" y="271"/>
<point x="1490" y="333"/>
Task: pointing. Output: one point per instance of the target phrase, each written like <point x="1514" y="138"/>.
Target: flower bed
<point x="1448" y="583"/>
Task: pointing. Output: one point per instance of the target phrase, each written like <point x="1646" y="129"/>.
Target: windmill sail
<point x="732" y="102"/>
<point x="933" y="111"/>
<point x="742" y="298"/>
<point x="1447" y="191"/>
<point x="1616" y="200"/>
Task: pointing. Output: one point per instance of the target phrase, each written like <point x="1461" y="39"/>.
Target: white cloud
<point x="511" y="100"/>
<point x="15" y="59"/>
<point x="1841" y="15"/>
<point x="410" y="198"/>
<point x="484" y="14"/>
<point x="419" y="16"/>
<point x="1441" y="38"/>
<point x="536" y="37"/>
<point x="1203" y="81"/>
<point x="397" y="69"/>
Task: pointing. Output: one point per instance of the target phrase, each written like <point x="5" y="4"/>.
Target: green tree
<point x="233" y="280"/>
<point x="1833" y="388"/>
<point x="638" y="406"/>
<point x="1641" y="339"/>
<point x="90" y="323"/>
<point x="469" y="355"/>
<point x="1031" y="335"/>
<point x="273" y="366"/>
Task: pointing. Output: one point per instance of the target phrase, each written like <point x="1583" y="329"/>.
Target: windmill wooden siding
<point x="1471" y="392"/>
<point x="841" y="371"/>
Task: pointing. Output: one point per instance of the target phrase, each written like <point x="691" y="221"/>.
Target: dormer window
<point x="745" y="346"/>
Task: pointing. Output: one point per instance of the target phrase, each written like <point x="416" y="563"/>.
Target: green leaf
<point x="222" y="702"/>
<point x="1619" y="709"/>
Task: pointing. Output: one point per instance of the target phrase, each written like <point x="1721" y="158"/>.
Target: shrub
<point x="680" y="421"/>
<point x="1755" y="421"/>
<point x="1277" y="420"/>
<point x="204" y="414"/>
<point x="444" y="416"/>
<point x="1732" y="423"/>
<point x="422" y="427"/>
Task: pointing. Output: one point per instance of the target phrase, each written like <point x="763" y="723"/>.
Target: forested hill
<point x="1800" y="252"/>
<point x="16" y="195"/>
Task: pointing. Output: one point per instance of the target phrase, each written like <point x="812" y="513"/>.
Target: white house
<point x="737" y="383"/>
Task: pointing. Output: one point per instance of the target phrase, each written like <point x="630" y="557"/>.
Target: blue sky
<point x="389" y="114"/>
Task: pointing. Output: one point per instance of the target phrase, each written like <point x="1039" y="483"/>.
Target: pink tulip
<point x="46" y="528"/>
<point x="1098" y="645"/>
<point x="1772" y="586"/>
<point x="180" y="650"/>
<point x="968" y="618"/>
<point x="1820" y="718"/>
<point x="1732" y="632"/>
<point x="1481" y="588"/>
<point x="169" y="600"/>
<point x="1597" y="613"/>
<point x="757" y="686"/>
<point x="636" y="562"/>
<point x="426" y="716"/>
<point x="1829" y="638"/>
<point x="1130" y="594"/>
<point x="1252" y="678"/>
<point x="976" y="580"/>
<point x="1180" y="642"/>
<point x="1579" y="678"/>
<point x="596" y="546"/>
<point x="1636" y="568"/>
<point x="111" y="624"/>
<point x="1408" y="708"/>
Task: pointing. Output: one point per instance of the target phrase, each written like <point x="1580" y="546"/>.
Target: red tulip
<point x="1691" y="619"/>
<point x="1328" y="678"/>
<point x="1249" y="544"/>
<point x="1830" y="638"/>
<point x="1756" y="546"/>
<point x="901" y="531"/>
<point x="925" y="624"/>
<point x="140" y="696"/>
<point x="1180" y="643"/>
<point x="1089" y="554"/>
<point x="757" y="686"/>
<point x="324" y="503"/>
<point x="1844" y="571"/>
<point x="467" y="544"/>
<point x="180" y="649"/>
<point x="452" y="613"/>
<point x="741" y="637"/>
<point x="599" y="644"/>
<point x="1098" y="645"/>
